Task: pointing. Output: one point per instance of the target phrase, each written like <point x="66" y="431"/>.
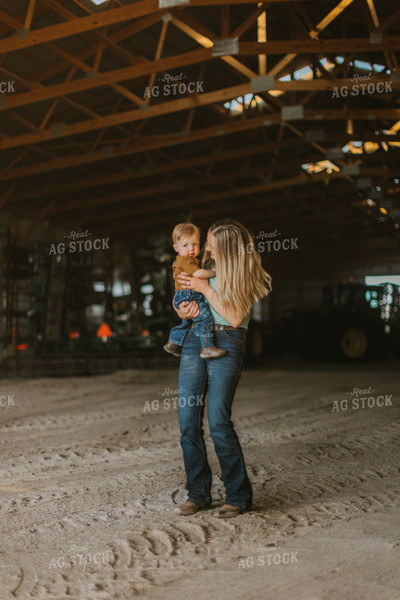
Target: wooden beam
<point x="165" y="187"/>
<point x="164" y="141"/>
<point x="240" y="29"/>
<point x="166" y="167"/>
<point x="326" y="46"/>
<point x="89" y="51"/>
<point x="159" y="49"/>
<point x="331" y="16"/>
<point x="239" y="192"/>
<point x="104" y="39"/>
<point x="224" y="29"/>
<point x="154" y="191"/>
<point x="77" y="26"/>
<point x="110" y="17"/>
<point x="262" y="37"/>
<point x="372" y="10"/>
<point x="9" y="20"/>
<point x="194" y="57"/>
<point x="29" y="14"/>
<point x="16" y="22"/>
<point x="127" y="73"/>
<point x="198" y="100"/>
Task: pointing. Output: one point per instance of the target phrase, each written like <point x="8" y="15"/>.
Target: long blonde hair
<point x="241" y="280"/>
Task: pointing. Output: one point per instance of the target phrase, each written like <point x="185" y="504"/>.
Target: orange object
<point x="104" y="331"/>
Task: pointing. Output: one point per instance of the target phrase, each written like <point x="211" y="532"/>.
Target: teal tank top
<point x="217" y="317"/>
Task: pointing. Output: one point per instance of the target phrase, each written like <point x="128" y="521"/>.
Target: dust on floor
<point x="92" y="471"/>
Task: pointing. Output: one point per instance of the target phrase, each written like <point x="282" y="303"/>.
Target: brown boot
<point x="190" y="508"/>
<point x="212" y="352"/>
<point x="173" y="349"/>
<point x="229" y="511"/>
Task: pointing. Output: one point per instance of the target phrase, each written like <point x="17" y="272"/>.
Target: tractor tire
<point x="352" y="341"/>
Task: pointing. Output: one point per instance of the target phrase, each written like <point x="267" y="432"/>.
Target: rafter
<point x="158" y="142"/>
<point x="29" y="14"/>
<point x="221" y="178"/>
<point x="110" y="17"/>
<point x="236" y="192"/>
<point x="190" y="102"/>
<point x="196" y="56"/>
<point x="90" y="51"/>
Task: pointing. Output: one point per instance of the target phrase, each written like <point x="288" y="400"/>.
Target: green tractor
<point x="359" y="323"/>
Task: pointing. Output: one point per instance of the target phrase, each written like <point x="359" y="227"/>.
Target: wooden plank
<point x="29" y="14"/>
<point x="372" y="10"/>
<point x="118" y="75"/>
<point x="331" y="16"/>
<point x="9" y="20"/>
<point x="205" y="99"/>
<point x="77" y="26"/>
<point x="90" y="50"/>
<point x="165" y="140"/>
<point x="262" y="37"/>
<point x="162" y="187"/>
<point x="166" y="167"/>
<point x="292" y="182"/>
<point x="195" y="57"/>
<point x="109" y="17"/>
<point x="320" y="46"/>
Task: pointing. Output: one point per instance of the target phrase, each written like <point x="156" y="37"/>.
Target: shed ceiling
<point x="89" y="134"/>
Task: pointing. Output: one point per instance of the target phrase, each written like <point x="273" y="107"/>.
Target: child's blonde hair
<point x="184" y="230"/>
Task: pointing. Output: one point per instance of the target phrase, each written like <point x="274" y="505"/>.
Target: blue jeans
<point x="220" y="378"/>
<point x="203" y="322"/>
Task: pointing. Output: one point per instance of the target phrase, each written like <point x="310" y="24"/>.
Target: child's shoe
<point x="212" y="352"/>
<point x="173" y="349"/>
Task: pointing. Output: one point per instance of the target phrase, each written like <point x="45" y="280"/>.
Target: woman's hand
<point x="192" y="283"/>
<point x="188" y="310"/>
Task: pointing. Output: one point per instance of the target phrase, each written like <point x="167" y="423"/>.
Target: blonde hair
<point x="184" y="230"/>
<point x="241" y="279"/>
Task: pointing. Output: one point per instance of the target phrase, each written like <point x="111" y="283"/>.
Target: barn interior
<point x="120" y="119"/>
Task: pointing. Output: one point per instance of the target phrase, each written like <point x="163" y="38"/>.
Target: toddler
<point x="186" y="241"/>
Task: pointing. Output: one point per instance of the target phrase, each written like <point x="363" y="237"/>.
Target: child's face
<point x="189" y="246"/>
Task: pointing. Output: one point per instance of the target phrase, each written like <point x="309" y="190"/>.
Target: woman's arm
<point x="230" y="314"/>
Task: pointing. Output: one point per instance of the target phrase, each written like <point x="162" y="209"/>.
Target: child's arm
<point x="204" y="273"/>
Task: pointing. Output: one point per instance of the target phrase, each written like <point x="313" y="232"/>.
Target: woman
<point x="240" y="281"/>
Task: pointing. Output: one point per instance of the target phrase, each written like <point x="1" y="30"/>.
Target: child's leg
<point x="204" y="324"/>
<point x="178" y="333"/>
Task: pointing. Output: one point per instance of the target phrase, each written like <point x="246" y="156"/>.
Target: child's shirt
<point x="189" y="264"/>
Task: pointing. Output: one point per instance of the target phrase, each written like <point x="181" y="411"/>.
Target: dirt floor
<point x="92" y="471"/>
